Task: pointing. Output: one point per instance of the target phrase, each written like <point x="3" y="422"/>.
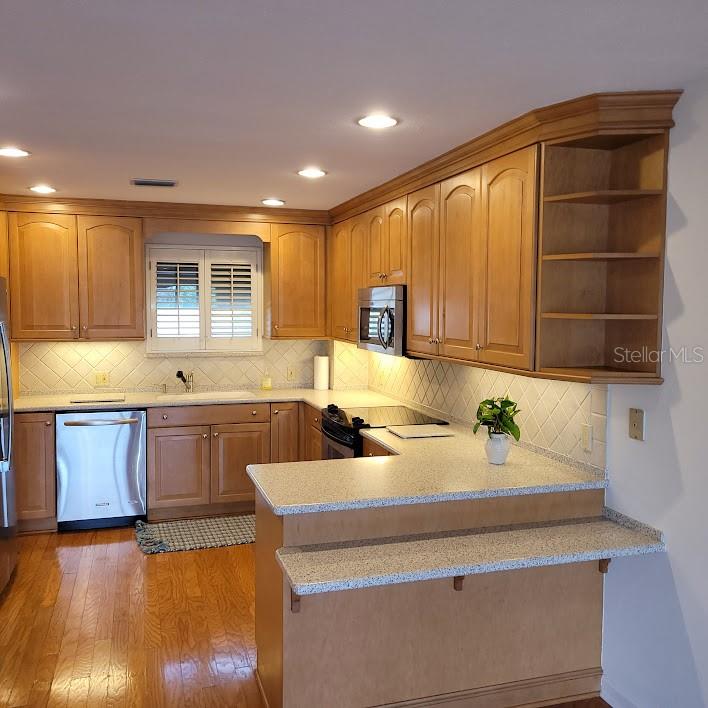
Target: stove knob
<point x="357" y="422"/>
<point x="332" y="408"/>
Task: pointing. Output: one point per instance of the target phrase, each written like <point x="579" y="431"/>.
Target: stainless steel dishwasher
<point x="100" y="468"/>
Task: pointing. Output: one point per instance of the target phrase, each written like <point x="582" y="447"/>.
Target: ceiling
<point x="231" y="98"/>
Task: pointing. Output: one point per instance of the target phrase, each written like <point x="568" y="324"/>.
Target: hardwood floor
<point x="90" y="621"/>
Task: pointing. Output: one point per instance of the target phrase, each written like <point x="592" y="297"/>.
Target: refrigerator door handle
<point x="10" y="412"/>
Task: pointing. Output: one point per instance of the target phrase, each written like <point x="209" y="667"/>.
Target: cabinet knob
<point x="164" y="416"/>
<point x="478" y="346"/>
<point x="371" y="454"/>
<point x="254" y="412"/>
<point x="85" y="327"/>
<point x="317" y="420"/>
<point x="275" y="326"/>
<point x="276" y="411"/>
<point x="216" y="435"/>
<point x="47" y="422"/>
<point x="204" y="435"/>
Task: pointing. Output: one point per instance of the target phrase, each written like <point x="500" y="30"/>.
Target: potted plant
<point x="497" y="415"/>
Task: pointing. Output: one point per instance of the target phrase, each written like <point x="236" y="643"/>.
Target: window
<point x="204" y="300"/>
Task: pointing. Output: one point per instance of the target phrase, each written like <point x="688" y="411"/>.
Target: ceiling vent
<point x="153" y="182"/>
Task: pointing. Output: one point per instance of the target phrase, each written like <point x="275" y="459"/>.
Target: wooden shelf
<point x="604" y="196"/>
<point x="600" y="374"/>
<point x="606" y="256"/>
<point x="595" y="316"/>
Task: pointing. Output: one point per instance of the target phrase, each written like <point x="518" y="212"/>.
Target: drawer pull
<point x="204" y="435"/>
<point x="47" y="422"/>
<point x="164" y="416"/>
<point x="254" y="412"/>
<point x="276" y="411"/>
<point x="216" y="435"/>
<point x="317" y="420"/>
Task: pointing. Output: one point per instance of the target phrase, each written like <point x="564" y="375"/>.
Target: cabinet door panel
<point x="298" y="280"/>
<point x="460" y="236"/>
<point x="375" y="246"/>
<point x="178" y="467"/>
<point x="313" y="443"/>
<point x="508" y="260"/>
<point x="358" y="275"/>
<point x="395" y="241"/>
<point x="285" y="432"/>
<point x="423" y="239"/>
<point x="44" y="292"/>
<point x="34" y="456"/>
<point x="233" y="448"/>
<point x="111" y="277"/>
<point x="340" y="279"/>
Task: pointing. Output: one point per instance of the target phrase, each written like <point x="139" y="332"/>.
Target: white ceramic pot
<point x="497" y="448"/>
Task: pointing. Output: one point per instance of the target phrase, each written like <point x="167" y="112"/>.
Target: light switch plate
<point x="101" y="378"/>
<point x="290" y="373"/>
<point x="636" y="424"/>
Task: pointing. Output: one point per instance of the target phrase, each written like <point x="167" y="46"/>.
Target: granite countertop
<point x="422" y="471"/>
<point x="333" y="567"/>
<point x="318" y="399"/>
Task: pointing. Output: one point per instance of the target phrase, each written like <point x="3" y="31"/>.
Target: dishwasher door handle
<point x="92" y="423"/>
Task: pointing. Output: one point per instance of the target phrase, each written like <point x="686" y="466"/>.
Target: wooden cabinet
<point x="461" y="229"/>
<point x="35" y="478"/>
<point x="44" y="286"/>
<point x="311" y="433"/>
<point x="111" y="278"/>
<point x="284" y="432"/>
<point x="297" y="281"/>
<point x="373" y="449"/>
<point x="178" y="467"/>
<point x="76" y="278"/>
<point x="233" y="448"/>
<point x="424" y="246"/>
<point x="508" y="258"/>
<point x="340" y="280"/>
<point x="387" y="244"/>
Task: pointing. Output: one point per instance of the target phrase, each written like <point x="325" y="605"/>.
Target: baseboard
<point x="27" y="526"/>
<point x="201" y="511"/>
<point x="529" y="693"/>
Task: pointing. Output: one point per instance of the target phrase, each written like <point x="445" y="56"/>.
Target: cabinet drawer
<point x="208" y="415"/>
<point x="313" y="416"/>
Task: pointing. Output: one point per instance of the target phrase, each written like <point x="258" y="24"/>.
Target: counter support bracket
<point x="603" y="565"/>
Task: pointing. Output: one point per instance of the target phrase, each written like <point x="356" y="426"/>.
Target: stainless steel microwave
<point x="382" y="319"/>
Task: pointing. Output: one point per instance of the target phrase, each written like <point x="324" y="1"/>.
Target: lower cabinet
<point x="311" y="433"/>
<point x="35" y="478"/>
<point x="373" y="449"/>
<point x="233" y="447"/>
<point x="284" y="432"/>
<point x="179" y="467"/>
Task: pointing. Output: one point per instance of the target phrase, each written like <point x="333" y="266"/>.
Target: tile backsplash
<point x="59" y="367"/>
<point x="552" y="412"/>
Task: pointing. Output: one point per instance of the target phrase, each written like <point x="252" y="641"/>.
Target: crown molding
<point x="595" y="114"/>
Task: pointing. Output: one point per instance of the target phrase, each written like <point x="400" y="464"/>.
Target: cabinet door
<point x="340" y="279"/>
<point x="395" y="241"/>
<point x="178" y="467"/>
<point x="423" y="240"/>
<point x="375" y="247"/>
<point x="313" y="443"/>
<point x="358" y="274"/>
<point x="298" y="280"/>
<point x="284" y="432"/>
<point x="373" y="449"/>
<point x="34" y="456"/>
<point x="111" y="278"/>
<point x="460" y="238"/>
<point x="507" y="261"/>
<point x="44" y="286"/>
<point x="233" y="447"/>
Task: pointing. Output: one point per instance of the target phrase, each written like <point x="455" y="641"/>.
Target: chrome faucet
<point x="187" y="380"/>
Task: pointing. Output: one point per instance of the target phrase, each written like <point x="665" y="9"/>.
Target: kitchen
<point x="239" y="464"/>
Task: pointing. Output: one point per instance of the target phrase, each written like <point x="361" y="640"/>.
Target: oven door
<point x="380" y="326"/>
<point x="334" y="450"/>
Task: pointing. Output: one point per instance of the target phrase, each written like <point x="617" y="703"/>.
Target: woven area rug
<point x="191" y="534"/>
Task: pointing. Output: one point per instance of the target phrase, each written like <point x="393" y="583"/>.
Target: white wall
<point x="655" y="652"/>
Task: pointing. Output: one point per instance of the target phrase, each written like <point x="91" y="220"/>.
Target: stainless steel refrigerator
<point x="8" y="518"/>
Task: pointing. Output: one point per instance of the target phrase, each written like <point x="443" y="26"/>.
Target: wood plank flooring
<point x="90" y="621"/>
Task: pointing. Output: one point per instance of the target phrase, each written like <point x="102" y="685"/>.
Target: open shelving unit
<point x="601" y="250"/>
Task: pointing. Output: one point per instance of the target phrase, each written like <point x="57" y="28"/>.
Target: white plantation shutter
<point x="233" y="300"/>
<point x="204" y="300"/>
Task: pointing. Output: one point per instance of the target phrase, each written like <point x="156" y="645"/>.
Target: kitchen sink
<point x="206" y="396"/>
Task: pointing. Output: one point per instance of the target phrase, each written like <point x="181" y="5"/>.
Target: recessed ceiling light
<point x="10" y="151"/>
<point x="272" y="201"/>
<point x="312" y="172"/>
<point x="377" y="121"/>
<point x="43" y="189"/>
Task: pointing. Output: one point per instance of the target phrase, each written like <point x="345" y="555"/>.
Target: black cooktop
<point x="378" y="416"/>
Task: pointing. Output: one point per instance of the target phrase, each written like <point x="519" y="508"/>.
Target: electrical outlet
<point x="290" y="373"/>
<point x="101" y="378"/>
<point x="636" y="424"/>
<point x="586" y="437"/>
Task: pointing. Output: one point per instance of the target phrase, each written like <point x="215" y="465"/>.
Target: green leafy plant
<point x="498" y="414"/>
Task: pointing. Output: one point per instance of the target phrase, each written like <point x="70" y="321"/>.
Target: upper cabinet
<point x="76" y="278"/>
<point x="44" y="284"/>
<point x="508" y="260"/>
<point x="111" y="278"/>
<point x="297" y="281"/>
<point x="386" y="244"/>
